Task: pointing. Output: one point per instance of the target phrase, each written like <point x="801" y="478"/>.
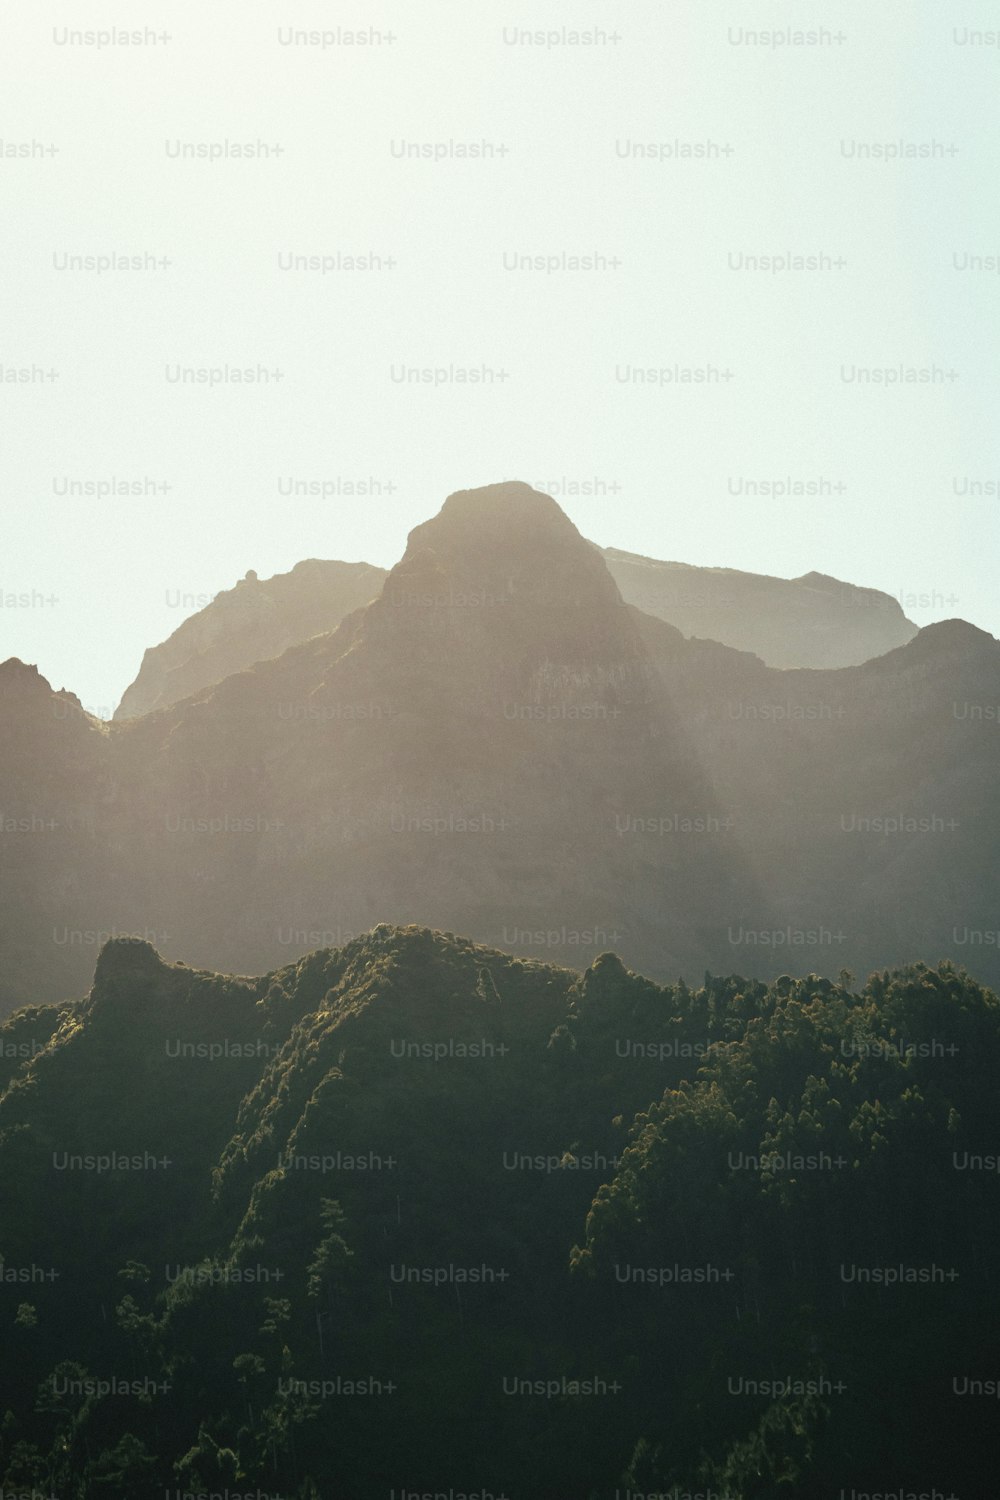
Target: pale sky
<point x="790" y="173"/>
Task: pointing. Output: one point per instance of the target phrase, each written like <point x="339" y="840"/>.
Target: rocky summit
<point x="813" y="621"/>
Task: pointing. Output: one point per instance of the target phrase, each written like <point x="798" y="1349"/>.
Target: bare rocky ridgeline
<point x="256" y="619"/>
<point x="497" y="745"/>
<point x="813" y="621"/>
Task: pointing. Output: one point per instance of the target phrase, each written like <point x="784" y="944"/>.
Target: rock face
<point x="251" y="622"/>
<point x="812" y="621"/>
<point x="497" y="745"/>
<point x="460" y="753"/>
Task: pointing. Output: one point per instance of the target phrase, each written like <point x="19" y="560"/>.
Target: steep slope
<point x="416" y="1207"/>
<point x="465" y="751"/>
<point x="54" y="784"/>
<point x="390" y="1076"/>
<point x="812" y="621"/>
<point x="462" y="753"/>
<point x="255" y="620"/>
<point x="499" y="745"/>
<point x="868" y="798"/>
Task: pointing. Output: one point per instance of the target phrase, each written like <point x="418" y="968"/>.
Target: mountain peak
<point x="127" y="958"/>
<point x="15" y="672"/>
<point x="510" y="543"/>
<point x="480" y="518"/>
<point x="23" y="682"/>
<point x="511" y="498"/>
<point x="946" y="636"/>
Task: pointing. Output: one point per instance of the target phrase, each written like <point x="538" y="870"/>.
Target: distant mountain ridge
<point x="254" y="620"/>
<point x="499" y="745"/>
<point x="813" y="621"/>
<point x="459" y="749"/>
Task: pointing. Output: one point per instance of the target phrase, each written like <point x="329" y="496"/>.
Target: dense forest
<point x="415" y="1216"/>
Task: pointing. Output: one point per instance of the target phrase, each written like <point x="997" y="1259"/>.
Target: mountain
<point x="412" y="1215"/>
<point x="812" y="621"/>
<point x="499" y="745"/>
<point x="251" y="622"/>
<point x="54" y="782"/>
<point x="463" y="751"/>
<point x="866" y="799"/>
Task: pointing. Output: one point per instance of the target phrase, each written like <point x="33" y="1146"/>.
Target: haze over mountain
<point x="256" y="619"/>
<point x="499" y="745"/>
<point x="419" y="1212"/>
<point x="806" y="622"/>
<point x="520" y="1021"/>
<point x="812" y="621"/>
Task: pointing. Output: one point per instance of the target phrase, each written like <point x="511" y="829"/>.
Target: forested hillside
<point x="416" y="1215"/>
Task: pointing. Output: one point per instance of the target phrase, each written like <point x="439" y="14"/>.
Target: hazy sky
<point x="789" y="131"/>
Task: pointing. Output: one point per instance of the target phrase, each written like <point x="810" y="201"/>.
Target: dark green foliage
<point x="311" y="1174"/>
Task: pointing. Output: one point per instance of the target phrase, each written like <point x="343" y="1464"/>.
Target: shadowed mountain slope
<point x="814" y="621"/>
<point x="498" y="744"/>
